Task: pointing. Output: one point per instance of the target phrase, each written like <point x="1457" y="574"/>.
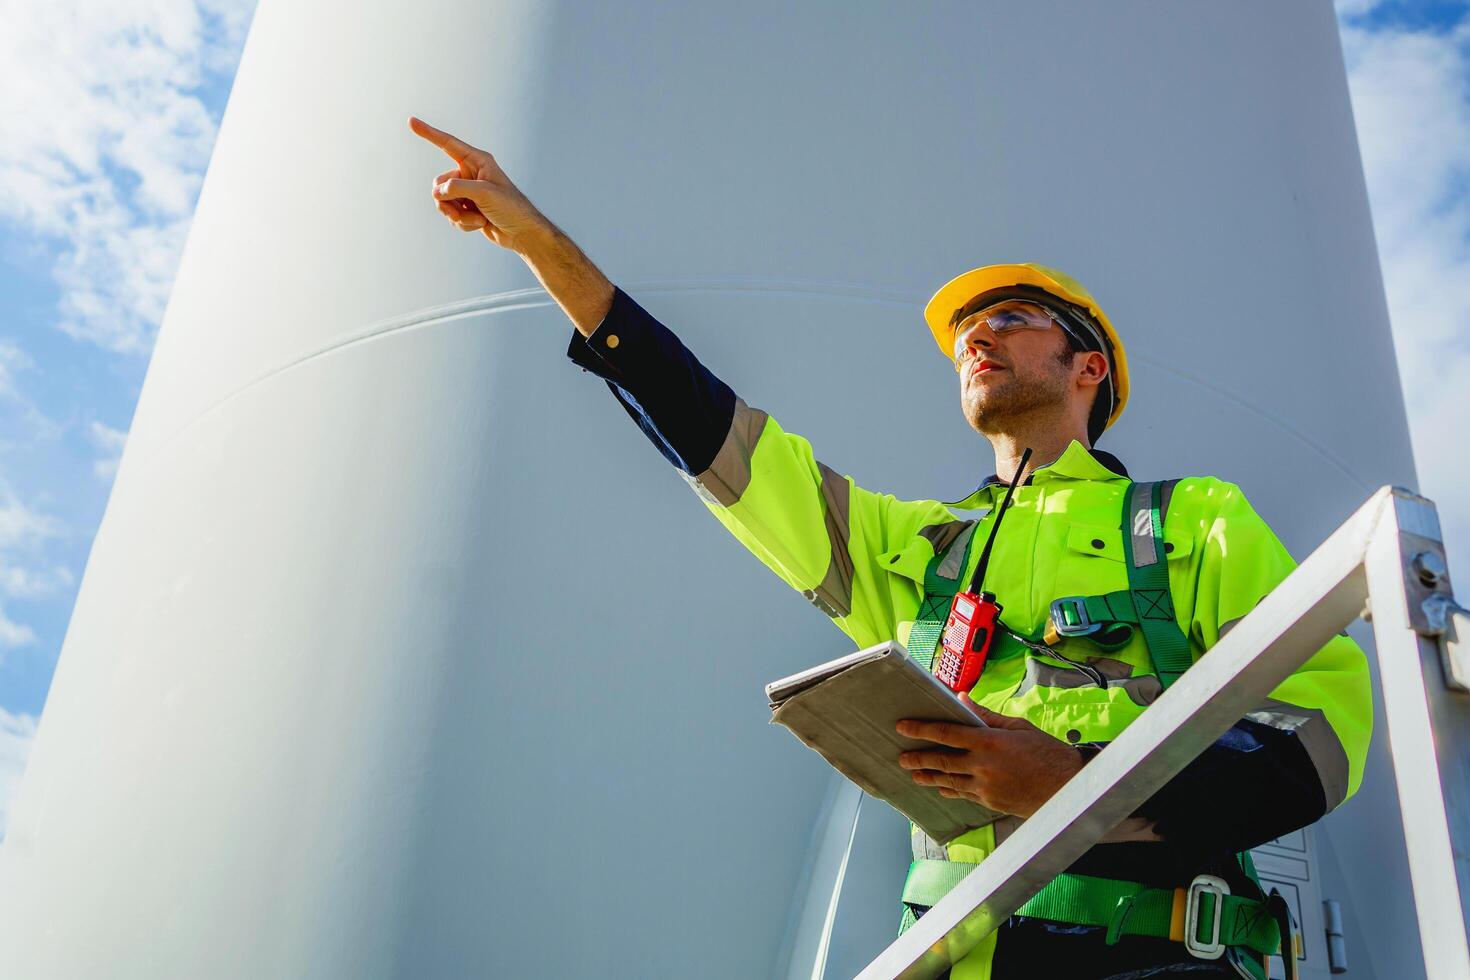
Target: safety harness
<point x="1147" y="604"/>
<point x="1206" y="917"/>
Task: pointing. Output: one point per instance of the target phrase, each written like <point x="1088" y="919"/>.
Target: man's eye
<point x="1006" y="321"/>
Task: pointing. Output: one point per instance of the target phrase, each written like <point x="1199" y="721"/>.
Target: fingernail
<point x="442" y="188"/>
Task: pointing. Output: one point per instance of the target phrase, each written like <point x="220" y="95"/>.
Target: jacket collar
<point x="1076" y="462"/>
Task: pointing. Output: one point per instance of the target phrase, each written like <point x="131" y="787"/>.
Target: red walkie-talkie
<point x="965" y="642"/>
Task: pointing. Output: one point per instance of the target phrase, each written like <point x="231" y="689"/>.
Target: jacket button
<point x="893" y="559"/>
<point x="1168" y="547"/>
<point x="1097" y="542"/>
<point x="1073" y="735"/>
<point x="612" y="340"/>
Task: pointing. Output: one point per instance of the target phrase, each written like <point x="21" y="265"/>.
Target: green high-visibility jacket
<point x="861" y="556"/>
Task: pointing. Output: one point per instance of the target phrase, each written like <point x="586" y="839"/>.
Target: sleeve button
<point x="612" y="340"/>
<point x="1074" y="736"/>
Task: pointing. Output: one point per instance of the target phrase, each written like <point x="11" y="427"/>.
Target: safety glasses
<point x="1003" y="318"/>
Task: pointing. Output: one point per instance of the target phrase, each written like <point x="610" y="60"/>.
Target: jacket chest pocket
<point x="1094" y="562"/>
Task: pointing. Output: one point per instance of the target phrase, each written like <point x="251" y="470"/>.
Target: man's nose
<point x="979" y="337"/>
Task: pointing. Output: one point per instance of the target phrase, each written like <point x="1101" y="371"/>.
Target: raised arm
<point x="476" y="195"/>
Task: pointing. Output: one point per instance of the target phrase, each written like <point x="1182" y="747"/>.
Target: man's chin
<point x="982" y="421"/>
<point x="989" y="418"/>
<point x="988" y="408"/>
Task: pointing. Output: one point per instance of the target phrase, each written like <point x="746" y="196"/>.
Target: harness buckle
<point x="1213" y="949"/>
<point x="1069" y="617"/>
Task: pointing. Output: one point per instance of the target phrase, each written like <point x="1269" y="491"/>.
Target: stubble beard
<point x="995" y="407"/>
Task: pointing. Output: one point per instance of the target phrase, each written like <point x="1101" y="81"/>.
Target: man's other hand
<point x="1010" y="766"/>
<point x="477" y="195"/>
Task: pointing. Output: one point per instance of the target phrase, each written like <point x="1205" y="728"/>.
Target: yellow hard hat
<point x="954" y="295"/>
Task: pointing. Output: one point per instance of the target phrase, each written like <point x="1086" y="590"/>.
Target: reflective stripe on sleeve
<point x="728" y="475"/>
<point x="833" y="595"/>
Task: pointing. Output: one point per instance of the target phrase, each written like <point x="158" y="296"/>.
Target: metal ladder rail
<point x="1387" y="560"/>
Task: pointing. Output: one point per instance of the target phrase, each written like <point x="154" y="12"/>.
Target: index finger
<point x="942" y="732"/>
<point x="457" y="149"/>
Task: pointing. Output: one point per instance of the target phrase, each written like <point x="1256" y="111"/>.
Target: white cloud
<point x="19" y="582"/>
<point x="22" y="529"/>
<point x="25" y="417"/>
<point x="13" y="634"/>
<point x="17" y="733"/>
<point x="103" y="143"/>
<point x="111" y="442"/>
<point x="12" y="359"/>
<point x="1411" y="99"/>
<point x="1355" y="8"/>
<point x="20" y="526"/>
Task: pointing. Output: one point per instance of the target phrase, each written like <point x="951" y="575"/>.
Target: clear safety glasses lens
<point x="1001" y="320"/>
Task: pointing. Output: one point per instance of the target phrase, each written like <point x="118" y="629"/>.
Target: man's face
<point x="1012" y="372"/>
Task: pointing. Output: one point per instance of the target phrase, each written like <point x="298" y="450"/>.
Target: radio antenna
<point x="979" y="579"/>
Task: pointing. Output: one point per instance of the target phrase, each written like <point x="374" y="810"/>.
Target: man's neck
<point x="1046" y="442"/>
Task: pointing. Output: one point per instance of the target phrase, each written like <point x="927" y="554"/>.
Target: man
<point x="1110" y="589"/>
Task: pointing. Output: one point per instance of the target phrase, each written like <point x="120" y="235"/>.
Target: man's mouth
<point x="984" y="367"/>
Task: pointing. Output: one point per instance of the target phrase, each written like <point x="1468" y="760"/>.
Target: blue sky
<point x="108" y="112"/>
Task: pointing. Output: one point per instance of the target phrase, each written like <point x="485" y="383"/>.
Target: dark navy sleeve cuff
<point x="680" y="405"/>
<point x="1254" y="784"/>
<point x="621" y="335"/>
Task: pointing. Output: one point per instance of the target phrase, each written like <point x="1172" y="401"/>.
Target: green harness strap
<point x="1126" y="908"/>
<point x="1106" y="620"/>
<point x="941" y="582"/>
<point x="1148" y="581"/>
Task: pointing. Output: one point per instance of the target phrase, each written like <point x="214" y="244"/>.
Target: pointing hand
<point x="477" y="195"/>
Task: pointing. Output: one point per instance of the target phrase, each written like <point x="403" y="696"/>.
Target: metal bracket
<point x="1432" y="606"/>
<point x="1450" y="624"/>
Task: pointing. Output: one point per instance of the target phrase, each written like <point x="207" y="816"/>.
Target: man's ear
<point x="1094" y="368"/>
